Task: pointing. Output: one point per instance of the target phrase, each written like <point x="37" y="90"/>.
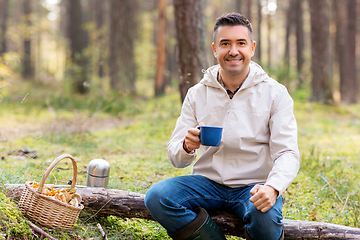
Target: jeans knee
<point x="152" y="197"/>
<point x="266" y="225"/>
<point x="159" y="196"/>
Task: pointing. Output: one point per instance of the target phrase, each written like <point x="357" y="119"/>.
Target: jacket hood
<point x="256" y="76"/>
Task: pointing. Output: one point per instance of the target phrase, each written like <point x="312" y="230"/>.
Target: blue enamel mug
<point x="210" y="136"/>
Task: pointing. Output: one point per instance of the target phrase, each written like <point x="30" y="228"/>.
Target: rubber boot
<point x="247" y="237"/>
<point x="201" y="228"/>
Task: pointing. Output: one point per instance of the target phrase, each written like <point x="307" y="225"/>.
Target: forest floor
<point x="68" y="126"/>
<point x="132" y="134"/>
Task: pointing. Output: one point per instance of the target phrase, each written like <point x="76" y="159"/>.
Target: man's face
<point x="234" y="49"/>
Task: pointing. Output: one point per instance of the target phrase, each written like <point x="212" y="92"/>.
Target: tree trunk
<point x="3" y="21"/>
<point x="26" y="62"/>
<point x="77" y="45"/>
<point x="238" y="6"/>
<point x="99" y="12"/>
<point x="248" y="10"/>
<point x="38" y="59"/>
<point x="190" y="35"/>
<point x="113" y="48"/>
<point x="122" y="35"/>
<point x="320" y="52"/>
<point x="161" y="49"/>
<point x="258" y="44"/>
<point x="269" y="40"/>
<point x="131" y="205"/>
<point x="340" y="40"/>
<point x="289" y="24"/>
<point x="350" y="92"/>
<point x="299" y="42"/>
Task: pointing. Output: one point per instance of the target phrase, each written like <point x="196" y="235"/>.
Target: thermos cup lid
<point x="98" y="168"/>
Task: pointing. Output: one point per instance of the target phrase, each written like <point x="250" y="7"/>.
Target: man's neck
<point x="232" y="82"/>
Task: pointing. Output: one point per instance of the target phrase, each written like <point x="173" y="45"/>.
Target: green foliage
<point x="137" y="229"/>
<point x="110" y="104"/>
<point x="12" y="224"/>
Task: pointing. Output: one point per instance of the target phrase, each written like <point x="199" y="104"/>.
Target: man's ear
<point x="214" y="49"/>
<point x="253" y="48"/>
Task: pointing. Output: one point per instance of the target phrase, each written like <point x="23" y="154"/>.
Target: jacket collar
<point x="256" y="76"/>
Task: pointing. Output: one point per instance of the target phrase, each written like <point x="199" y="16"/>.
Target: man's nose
<point x="233" y="50"/>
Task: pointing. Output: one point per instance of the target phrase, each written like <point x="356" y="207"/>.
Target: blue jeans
<point x="171" y="202"/>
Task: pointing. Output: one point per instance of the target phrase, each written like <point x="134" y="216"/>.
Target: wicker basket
<point x="45" y="210"/>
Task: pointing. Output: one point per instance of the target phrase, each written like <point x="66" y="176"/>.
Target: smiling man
<point x="257" y="158"/>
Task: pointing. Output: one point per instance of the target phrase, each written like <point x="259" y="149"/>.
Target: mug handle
<point x="198" y="127"/>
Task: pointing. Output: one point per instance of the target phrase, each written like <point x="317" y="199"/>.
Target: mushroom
<point x="66" y="195"/>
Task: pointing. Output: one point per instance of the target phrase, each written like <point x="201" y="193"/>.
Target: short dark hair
<point x="232" y="19"/>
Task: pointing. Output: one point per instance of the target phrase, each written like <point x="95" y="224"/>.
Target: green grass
<point x="326" y="188"/>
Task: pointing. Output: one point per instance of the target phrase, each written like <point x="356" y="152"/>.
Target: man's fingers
<point x="262" y="202"/>
<point x="194" y="131"/>
<point x="264" y="197"/>
<point x="254" y="199"/>
<point x="264" y="208"/>
<point x="192" y="140"/>
<point x="255" y="189"/>
<point x="191" y="146"/>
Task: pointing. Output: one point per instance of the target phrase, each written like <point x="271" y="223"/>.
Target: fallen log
<point x="127" y="204"/>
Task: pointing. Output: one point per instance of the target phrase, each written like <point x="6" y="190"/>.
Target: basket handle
<point x="50" y="168"/>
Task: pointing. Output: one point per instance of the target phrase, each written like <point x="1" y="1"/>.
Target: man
<point x="258" y="156"/>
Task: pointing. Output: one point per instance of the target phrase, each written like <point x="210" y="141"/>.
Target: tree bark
<point x="190" y="36"/>
<point x="27" y="71"/>
<point x="238" y="6"/>
<point x="131" y="205"/>
<point x="258" y="44"/>
<point x="340" y="40"/>
<point x="289" y="24"/>
<point x="350" y="93"/>
<point x="161" y="49"/>
<point x="99" y="13"/>
<point x="269" y="40"/>
<point x="320" y="52"/>
<point x="122" y="35"/>
<point x="77" y="47"/>
<point x="248" y="10"/>
<point x="299" y="42"/>
<point x="113" y="61"/>
<point x="3" y="20"/>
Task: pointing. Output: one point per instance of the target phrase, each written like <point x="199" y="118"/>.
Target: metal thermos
<point x="98" y="173"/>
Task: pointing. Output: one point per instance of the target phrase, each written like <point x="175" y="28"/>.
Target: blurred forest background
<point x="105" y="79"/>
<point x="145" y="47"/>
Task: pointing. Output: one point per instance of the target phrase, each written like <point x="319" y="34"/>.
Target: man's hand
<point x="263" y="197"/>
<point x="192" y="140"/>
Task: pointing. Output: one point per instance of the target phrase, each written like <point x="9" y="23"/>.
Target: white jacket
<point x="259" y="139"/>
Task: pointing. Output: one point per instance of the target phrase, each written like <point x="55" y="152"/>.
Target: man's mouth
<point x="234" y="60"/>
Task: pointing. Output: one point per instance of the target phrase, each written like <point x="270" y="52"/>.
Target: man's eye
<point x="224" y="44"/>
<point x="242" y="43"/>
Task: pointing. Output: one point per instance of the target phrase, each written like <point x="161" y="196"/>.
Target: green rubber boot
<point x="201" y="228"/>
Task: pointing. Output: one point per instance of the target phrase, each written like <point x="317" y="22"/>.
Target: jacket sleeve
<point x="176" y="153"/>
<point x="284" y="149"/>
